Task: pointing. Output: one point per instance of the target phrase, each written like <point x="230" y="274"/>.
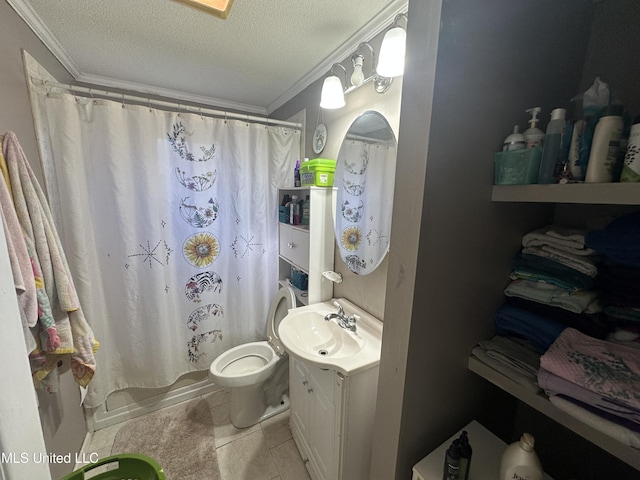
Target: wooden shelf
<point x="541" y="403"/>
<point x="586" y="193"/>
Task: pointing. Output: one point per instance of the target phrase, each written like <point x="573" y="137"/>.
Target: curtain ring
<point x="200" y="112"/>
<point x="123" y="101"/>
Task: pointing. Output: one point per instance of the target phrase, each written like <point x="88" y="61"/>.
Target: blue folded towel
<point x="619" y="240"/>
<point x="540" y="331"/>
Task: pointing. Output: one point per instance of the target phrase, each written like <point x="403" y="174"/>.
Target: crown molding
<point x="31" y="18"/>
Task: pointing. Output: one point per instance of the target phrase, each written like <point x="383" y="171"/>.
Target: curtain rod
<point x="161" y="103"/>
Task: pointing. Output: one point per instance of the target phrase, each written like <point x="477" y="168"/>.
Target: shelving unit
<point x="308" y="248"/>
<point x="587" y="194"/>
<point x="541" y="403"/>
<point x="584" y="193"/>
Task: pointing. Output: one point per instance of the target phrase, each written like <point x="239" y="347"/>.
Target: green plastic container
<point x="517" y="167"/>
<point x="318" y="172"/>
<point x="130" y="466"/>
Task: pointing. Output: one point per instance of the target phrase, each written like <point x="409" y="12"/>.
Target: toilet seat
<point x="284" y="300"/>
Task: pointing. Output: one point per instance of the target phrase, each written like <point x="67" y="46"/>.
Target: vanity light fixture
<point x="332" y="96"/>
<point x="219" y="8"/>
<point x="392" y="50"/>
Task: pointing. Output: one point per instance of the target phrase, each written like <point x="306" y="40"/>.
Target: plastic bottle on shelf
<point x="514" y="141"/>
<point x="296" y="174"/>
<point x="521" y="461"/>
<point x="604" y="149"/>
<point x="552" y="146"/>
<point x="305" y="211"/>
<point x="294" y="210"/>
<point x="533" y="136"/>
<point x="631" y="166"/>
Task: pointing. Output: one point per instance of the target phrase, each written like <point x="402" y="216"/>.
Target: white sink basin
<point x="307" y="336"/>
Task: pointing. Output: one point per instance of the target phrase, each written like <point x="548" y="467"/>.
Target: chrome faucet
<point x="345" y="322"/>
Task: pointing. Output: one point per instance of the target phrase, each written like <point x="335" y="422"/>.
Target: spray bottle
<point x="533" y="136"/>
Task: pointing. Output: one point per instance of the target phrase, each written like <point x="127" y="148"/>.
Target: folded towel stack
<point x="554" y="278"/>
<point x="596" y="381"/>
<point x="618" y="277"/>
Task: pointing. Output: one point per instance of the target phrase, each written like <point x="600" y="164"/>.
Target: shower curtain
<point x="168" y="223"/>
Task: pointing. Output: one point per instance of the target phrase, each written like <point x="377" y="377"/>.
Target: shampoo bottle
<point x="465" y="456"/>
<point x="631" y="167"/>
<point x="296" y="174"/>
<point x="533" y="136"/>
<point x="521" y="461"/>
<point x="552" y="147"/>
<point x="294" y="214"/>
<point x="604" y="149"/>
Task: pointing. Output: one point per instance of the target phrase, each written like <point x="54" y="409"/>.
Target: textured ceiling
<point x="262" y="55"/>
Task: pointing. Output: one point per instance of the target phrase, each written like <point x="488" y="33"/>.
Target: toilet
<point x="257" y="373"/>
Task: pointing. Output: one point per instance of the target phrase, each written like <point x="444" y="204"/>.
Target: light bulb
<point x="357" y="77"/>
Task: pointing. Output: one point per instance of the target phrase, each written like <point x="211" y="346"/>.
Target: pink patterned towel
<point x="606" y="368"/>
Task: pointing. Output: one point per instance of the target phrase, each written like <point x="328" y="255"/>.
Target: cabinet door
<point x="300" y="402"/>
<point x="294" y="245"/>
<point x="323" y="434"/>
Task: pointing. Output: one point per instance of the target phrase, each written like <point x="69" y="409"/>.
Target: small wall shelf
<point x="541" y="403"/>
<point x="586" y="193"/>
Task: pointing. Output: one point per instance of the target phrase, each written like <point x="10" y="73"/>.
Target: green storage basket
<point x="131" y="466"/>
<point x="318" y="172"/>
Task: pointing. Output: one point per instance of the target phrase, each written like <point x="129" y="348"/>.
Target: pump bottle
<point x="515" y="141"/>
<point x="533" y="136"/>
<point x="552" y="146"/>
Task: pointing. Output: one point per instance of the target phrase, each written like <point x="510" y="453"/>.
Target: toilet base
<point x="247" y="406"/>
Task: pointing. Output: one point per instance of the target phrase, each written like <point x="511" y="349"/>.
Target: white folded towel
<point x="563" y="238"/>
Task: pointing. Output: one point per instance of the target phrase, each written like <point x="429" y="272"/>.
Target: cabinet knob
<point x="291" y="245"/>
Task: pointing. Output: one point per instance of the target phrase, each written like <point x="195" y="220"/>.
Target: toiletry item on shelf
<point x="521" y="461"/>
<point x="296" y="175"/>
<point x="465" y="456"/>
<point x="631" y="166"/>
<point x="533" y="136"/>
<point x="305" y="211"/>
<point x="552" y="147"/>
<point x="514" y="141"/>
<point x="452" y="462"/>
<point x="294" y="214"/>
<point x="604" y="149"/>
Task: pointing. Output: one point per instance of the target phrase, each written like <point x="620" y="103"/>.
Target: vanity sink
<point x="306" y="335"/>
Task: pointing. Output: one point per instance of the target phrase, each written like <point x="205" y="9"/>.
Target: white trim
<point x="31" y="18"/>
<point x="101" y="418"/>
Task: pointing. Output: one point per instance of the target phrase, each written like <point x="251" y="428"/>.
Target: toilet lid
<point x="284" y="300"/>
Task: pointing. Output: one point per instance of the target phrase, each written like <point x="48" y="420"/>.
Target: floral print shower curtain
<point x="169" y="223"/>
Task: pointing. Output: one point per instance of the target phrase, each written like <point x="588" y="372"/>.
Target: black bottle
<point x="465" y="456"/>
<point x="452" y="462"/>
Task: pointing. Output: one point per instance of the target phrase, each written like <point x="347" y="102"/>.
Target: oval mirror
<point x="364" y="177"/>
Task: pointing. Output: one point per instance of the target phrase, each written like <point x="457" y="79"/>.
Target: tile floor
<point x="263" y="452"/>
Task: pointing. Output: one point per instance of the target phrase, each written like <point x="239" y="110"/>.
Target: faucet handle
<point x="353" y="318"/>
<point x="340" y="309"/>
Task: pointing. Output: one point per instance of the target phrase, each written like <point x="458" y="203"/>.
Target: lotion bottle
<point x="552" y="147"/>
<point x="533" y="136"/>
<point x="521" y="461"/>
<point x="604" y="149"/>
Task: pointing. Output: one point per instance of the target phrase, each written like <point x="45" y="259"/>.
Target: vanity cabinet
<point x="308" y="248"/>
<point x="332" y="418"/>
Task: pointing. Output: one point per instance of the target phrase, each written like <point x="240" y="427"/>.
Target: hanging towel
<point x="570" y="240"/>
<point x="619" y="240"/>
<point x="540" y="331"/>
<point x="74" y="334"/>
<point x="606" y="368"/>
